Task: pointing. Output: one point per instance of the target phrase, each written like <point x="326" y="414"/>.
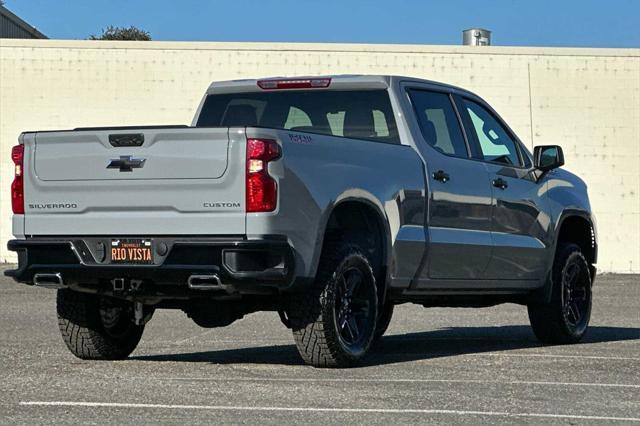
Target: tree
<point x="122" y="33"/>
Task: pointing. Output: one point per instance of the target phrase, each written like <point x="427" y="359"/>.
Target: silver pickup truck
<point x="327" y="199"/>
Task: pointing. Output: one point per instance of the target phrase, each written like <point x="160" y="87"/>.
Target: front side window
<point x="496" y="145"/>
<point x="438" y="122"/>
<point x="359" y="114"/>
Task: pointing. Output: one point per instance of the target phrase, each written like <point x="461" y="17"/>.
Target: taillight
<point x="298" y="83"/>
<point x="262" y="190"/>
<point x="17" y="187"/>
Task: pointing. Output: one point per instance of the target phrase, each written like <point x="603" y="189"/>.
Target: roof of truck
<point x="344" y="81"/>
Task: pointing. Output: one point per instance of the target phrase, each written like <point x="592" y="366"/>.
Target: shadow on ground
<point x="406" y="347"/>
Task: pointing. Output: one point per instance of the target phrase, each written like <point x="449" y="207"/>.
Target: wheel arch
<point x="573" y="226"/>
<point x="344" y="214"/>
<point x="578" y="227"/>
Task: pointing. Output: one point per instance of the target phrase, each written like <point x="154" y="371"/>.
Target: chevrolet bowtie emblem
<point x="126" y="163"/>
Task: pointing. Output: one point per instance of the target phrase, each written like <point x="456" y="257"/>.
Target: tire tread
<point x="546" y="319"/>
<point x="313" y="331"/>
<point x="82" y="331"/>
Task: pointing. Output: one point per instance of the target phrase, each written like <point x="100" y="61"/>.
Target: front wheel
<point x="334" y="323"/>
<point x="97" y="327"/>
<point x="566" y="317"/>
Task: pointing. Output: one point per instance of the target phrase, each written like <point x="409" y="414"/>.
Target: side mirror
<point x="548" y="157"/>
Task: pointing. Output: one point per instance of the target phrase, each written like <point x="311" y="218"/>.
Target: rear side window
<point x="438" y="122"/>
<point x="360" y="114"/>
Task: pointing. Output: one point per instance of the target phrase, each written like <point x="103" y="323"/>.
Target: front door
<point x="518" y="223"/>
<point x="459" y="203"/>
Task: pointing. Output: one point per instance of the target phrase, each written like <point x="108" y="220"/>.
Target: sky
<point x="579" y="23"/>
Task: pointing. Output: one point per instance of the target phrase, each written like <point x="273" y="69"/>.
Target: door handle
<point x="500" y="183"/>
<point x="441" y="176"/>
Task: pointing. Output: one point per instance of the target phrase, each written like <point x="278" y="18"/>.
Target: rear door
<point x="519" y="221"/>
<point x="459" y="204"/>
<point x="187" y="181"/>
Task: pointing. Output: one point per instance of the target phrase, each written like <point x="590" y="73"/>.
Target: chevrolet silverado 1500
<point x="327" y="199"/>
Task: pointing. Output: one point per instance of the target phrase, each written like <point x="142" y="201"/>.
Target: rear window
<point x="359" y="114"/>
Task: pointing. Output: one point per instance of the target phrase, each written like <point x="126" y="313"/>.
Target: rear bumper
<point x="243" y="264"/>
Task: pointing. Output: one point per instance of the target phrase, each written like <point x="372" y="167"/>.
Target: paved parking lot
<point x="436" y="365"/>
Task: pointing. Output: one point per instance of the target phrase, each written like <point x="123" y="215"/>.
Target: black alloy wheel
<point x="576" y="296"/>
<point x="354" y="307"/>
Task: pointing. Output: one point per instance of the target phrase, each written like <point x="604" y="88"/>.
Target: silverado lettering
<point x="54" y="206"/>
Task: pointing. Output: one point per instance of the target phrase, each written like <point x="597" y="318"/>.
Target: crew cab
<point x="325" y="199"/>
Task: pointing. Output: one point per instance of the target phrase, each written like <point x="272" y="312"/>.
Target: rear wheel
<point x="384" y="319"/>
<point x="334" y="323"/>
<point x="97" y="327"/>
<point x="566" y="317"/>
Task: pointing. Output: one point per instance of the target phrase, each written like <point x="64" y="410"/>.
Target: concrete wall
<point x="587" y="100"/>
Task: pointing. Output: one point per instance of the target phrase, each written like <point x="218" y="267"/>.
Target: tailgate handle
<point x="128" y="139"/>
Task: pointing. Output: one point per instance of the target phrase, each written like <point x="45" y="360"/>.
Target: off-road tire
<point x="83" y="329"/>
<point x="384" y="319"/>
<point x="550" y="322"/>
<point x="312" y="313"/>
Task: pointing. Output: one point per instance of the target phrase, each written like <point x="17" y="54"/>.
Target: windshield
<point x="359" y="114"/>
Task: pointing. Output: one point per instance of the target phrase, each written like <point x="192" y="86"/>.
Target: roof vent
<point x="476" y="37"/>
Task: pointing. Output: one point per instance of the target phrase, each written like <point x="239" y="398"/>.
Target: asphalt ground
<point x="462" y="366"/>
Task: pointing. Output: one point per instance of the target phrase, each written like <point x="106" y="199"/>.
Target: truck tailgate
<point x="167" y="181"/>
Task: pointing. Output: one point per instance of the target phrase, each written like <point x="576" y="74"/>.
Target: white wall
<point x="587" y="100"/>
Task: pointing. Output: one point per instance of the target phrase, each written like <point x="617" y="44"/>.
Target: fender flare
<point x="374" y="204"/>
<point x="543" y="294"/>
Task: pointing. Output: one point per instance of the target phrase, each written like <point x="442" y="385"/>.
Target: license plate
<point x="132" y="251"/>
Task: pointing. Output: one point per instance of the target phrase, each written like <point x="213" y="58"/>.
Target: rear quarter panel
<point x="318" y="172"/>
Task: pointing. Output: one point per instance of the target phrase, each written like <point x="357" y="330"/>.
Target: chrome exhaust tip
<point x="205" y="282"/>
<point x="53" y="281"/>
